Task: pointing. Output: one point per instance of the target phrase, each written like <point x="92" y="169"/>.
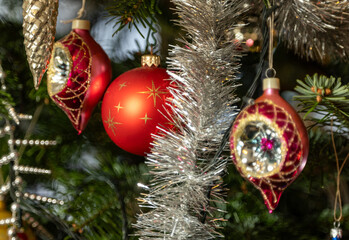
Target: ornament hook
<point x="270" y="73"/>
<point x="271" y="42"/>
<point x="336" y="224"/>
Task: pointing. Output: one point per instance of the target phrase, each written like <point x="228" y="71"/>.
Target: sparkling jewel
<point x="259" y="148"/>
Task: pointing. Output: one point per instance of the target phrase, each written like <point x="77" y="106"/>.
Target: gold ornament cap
<point x="150" y="60"/>
<point x="81" y="24"/>
<point x="271" y="83"/>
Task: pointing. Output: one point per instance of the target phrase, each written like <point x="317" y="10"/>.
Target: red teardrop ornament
<point x="269" y="144"/>
<point x="79" y="72"/>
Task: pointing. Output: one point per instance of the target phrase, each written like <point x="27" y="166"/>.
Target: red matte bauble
<point x="78" y="75"/>
<point x="133" y="107"/>
<point x="269" y="145"/>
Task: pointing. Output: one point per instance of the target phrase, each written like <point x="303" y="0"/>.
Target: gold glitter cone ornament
<point x="39" y="29"/>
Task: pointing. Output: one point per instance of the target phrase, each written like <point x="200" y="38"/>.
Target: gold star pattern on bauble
<point x="146" y="118"/>
<point x="122" y="85"/>
<point x="118" y="107"/>
<point x="111" y="123"/>
<point x="154" y="92"/>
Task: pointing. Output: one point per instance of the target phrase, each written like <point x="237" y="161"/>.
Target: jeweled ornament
<point x="269" y="143"/>
<point x="78" y="74"/>
<point x="132" y="104"/>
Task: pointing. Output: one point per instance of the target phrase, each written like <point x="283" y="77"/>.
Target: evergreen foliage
<point x="132" y="13"/>
<point x="327" y="97"/>
<point x="99" y="181"/>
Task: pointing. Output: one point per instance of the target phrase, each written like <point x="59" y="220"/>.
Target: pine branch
<point x="5" y="101"/>
<point x="133" y="13"/>
<point x="327" y="97"/>
<point x="103" y="198"/>
<point x="95" y="212"/>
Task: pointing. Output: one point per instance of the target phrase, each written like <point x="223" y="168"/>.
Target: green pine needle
<point x="5" y="99"/>
<point x="133" y="13"/>
<point x="327" y="97"/>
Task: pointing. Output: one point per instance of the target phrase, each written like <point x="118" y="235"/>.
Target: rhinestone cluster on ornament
<point x="259" y="148"/>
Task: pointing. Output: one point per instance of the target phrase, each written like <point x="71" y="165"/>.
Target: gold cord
<point x="338" y="199"/>
<point x="271" y="45"/>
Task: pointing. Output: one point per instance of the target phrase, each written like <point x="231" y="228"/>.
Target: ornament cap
<point x="81" y="24"/>
<point x="150" y="60"/>
<point x="271" y="83"/>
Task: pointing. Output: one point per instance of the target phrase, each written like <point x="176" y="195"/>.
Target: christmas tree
<point x="83" y="184"/>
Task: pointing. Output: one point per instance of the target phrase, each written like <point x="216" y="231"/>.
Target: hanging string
<point x="267" y="12"/>
<point x="80" y="13"/>
<point x="271" y="44"/>
<point x="338" y="199"/>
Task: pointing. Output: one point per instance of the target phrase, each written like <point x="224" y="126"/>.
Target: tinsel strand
<point x="185" y="174"/>
<point x="315" y="29"/>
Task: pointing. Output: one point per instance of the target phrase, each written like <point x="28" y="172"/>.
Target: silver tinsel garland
<point x="186" y="177"/>
<point x="314" y="29"/>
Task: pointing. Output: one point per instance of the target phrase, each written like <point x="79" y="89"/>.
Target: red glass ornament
<point x="79" y="72"/>
<point x="22" y="236"/>
<point x="269" y="144"/>
<point x="130" y="107"/>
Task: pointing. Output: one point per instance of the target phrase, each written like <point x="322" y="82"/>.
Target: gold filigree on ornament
<point x="278" y="177"/>
<point x="78" y="93"/>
